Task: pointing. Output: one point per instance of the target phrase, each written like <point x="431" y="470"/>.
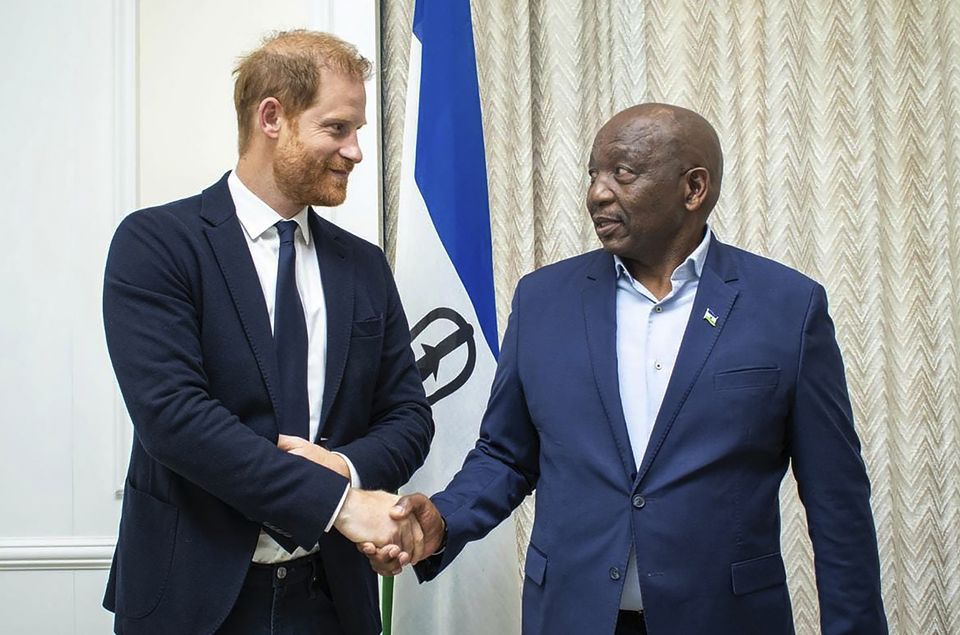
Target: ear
<point x="696" y="188"/>
<point x="270" y="117"/>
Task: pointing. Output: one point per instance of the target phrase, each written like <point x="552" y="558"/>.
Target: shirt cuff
<point x="336" y="512"/>
<point x="443" y="542"/>
<point x="354" y="477"/>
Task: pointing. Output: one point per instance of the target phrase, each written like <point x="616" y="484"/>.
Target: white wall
<point x="188" y="132"/>
<point x="91" y="132"/>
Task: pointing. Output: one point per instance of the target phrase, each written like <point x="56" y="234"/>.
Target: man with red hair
<point x="265" y="360"/>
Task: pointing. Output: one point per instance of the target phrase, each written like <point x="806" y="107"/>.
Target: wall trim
<point x="126" y="187"/>
<point x="56" y="553"/>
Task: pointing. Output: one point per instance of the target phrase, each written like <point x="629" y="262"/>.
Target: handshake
<point x="392" y="532"/>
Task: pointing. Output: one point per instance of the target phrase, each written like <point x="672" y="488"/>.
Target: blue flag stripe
<point x="451" y="170"/>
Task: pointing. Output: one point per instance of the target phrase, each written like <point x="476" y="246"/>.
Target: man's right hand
<point x="389" y="560"/>
<point x="367" y="517"/>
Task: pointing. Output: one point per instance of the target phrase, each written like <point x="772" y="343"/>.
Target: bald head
<point x="655" y="173"/>
<point x="672" y="135"/>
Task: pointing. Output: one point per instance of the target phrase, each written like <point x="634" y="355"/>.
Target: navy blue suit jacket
<point x="191" y="344"/>
<point x="762" y="389"/>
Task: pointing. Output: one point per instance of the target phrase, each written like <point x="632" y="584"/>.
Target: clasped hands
<point x="391" y="531"/>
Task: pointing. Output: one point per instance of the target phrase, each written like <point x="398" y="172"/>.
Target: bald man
<point x="653" y="393"/>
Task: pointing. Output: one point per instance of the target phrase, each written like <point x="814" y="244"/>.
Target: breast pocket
<point x="363" y="363"/>
<point x="741" y="378"/>
<point x="371" y="327"/>
<point x="366" y="340"/>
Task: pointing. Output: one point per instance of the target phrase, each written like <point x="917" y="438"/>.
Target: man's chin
<point x="611" y="244"/>
<point x="328" y="197"/>
<point x="331" y="200"/>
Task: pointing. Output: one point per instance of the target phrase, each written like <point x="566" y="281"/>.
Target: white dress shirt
<point x="258" y="221"/>
<point x="649" y="333"/>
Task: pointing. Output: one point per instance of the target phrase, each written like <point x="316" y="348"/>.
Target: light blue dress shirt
<point x="649" y="333"/>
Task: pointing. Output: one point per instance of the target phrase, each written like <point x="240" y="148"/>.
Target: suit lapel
<point x="225" y="236"/>
<point x="713" y="293"/>
<point x="600" y="315"/>
<point x="337" y="273"/>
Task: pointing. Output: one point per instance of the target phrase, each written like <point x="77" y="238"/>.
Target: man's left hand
<point x="315" y="453"/>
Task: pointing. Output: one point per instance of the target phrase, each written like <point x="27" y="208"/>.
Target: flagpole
<point x="386" y="604"/>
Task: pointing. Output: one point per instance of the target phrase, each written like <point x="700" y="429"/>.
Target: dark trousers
<point x="631" y="623"/>
<point x="290" y="598"/>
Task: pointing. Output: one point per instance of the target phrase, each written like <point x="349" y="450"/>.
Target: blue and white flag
<point x="444" y="270"/>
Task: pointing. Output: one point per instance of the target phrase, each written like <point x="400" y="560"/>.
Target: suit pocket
<point x="758" y="573"/>
<point x="368" y="328"/>
<point x="535" y="567"/>
<point x="746" y="378"/>
<point x="148" y="532"/>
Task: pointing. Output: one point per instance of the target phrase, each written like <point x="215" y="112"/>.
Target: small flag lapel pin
<point x="710" y="317"/>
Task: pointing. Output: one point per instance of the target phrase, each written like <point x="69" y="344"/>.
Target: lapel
<point x="599" y="298"/>
<point x="337" y="271"/>
<point x="715" y="293"/>
<point x="225" y="236"/>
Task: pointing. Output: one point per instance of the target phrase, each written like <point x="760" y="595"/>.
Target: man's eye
<point x="593" y="175"/>
<point x="621" y="171"/>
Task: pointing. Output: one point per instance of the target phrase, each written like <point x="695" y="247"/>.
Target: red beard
<point x="307" y="180"/>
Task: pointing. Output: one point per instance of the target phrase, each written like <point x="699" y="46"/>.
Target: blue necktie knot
<point x="287" y="230"/>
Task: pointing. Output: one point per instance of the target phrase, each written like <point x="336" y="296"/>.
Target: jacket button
<point x="281" y="573"/>
<point x="638" y="501"/>
<point x="614" y="573"/>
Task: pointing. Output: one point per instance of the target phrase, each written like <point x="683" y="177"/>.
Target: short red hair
<point x="287" y="66"/>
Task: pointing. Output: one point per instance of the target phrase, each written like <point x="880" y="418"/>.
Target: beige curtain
<point x="841" y="126"/>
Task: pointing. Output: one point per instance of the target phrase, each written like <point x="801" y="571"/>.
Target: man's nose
<point x="351" y="149"/>
<point x="598" y="193"/>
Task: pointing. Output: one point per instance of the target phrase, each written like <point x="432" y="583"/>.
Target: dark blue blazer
<point x="762" y="389"/>
<point x="190" y="340"/>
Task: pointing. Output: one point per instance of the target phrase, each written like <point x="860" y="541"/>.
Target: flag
<point x="710" y="317"/>
<point x="444" y="269"/>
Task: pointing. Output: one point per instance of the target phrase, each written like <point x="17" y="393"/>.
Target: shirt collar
<point x="255" y="216"/>
<point x="690" y="268"/>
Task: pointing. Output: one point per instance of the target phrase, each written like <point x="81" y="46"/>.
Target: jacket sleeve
<point x="401" y="427"/>
<point x="501" y="470"/>
<point x="833" y="484"/>
<point x="152" y="325"/>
